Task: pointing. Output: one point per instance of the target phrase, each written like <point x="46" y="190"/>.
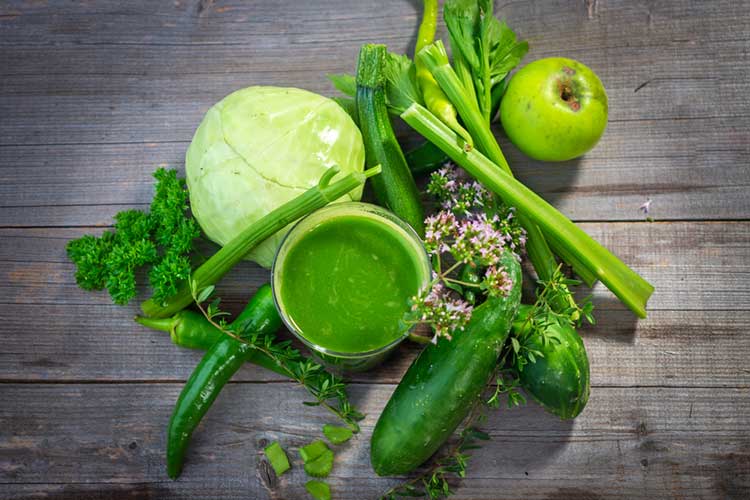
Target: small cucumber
<point x="442" y="384"/>
<point x="559" y="381"/>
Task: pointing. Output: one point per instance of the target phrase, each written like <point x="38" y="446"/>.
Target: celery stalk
<point x="625" y="283"/>
<point x="436" y="59"/>
<point x="230" y="254"/>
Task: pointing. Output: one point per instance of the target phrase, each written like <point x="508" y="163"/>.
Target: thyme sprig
<point x="435" y="482"/>
<point x="329" y="390"/>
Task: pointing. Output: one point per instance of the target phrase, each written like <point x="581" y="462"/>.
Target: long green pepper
<point x="218" y="365"/>
<point x="191" y="329"/>
<point x="434" y="98"/>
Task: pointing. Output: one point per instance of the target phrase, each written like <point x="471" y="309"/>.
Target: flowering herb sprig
<point x="466" y="240"/>
<point x="456" y="192"/>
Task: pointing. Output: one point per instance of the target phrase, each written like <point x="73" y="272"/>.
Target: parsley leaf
<point x="161" y="238"/>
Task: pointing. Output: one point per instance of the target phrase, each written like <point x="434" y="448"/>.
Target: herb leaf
<point x="161" y="238"/>
<point x="401" y="82"/>
<point x="344" y="83"/>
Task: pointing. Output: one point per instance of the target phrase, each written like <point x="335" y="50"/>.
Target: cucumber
<point x="559" y="381"/>
<point x="442" y="384"/>
<point x="394" y="187"/>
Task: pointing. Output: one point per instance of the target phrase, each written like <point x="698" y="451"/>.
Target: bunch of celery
<point x="484" y="52"/>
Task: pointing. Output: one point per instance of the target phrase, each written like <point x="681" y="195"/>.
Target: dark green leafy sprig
<point x="329" y="390"/>
<point x="506" y="385"/>
<point x="534" y="329"/>
<point x="161" y="238"/>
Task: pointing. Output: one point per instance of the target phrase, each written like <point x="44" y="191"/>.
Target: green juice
<point x="346" y="279"/>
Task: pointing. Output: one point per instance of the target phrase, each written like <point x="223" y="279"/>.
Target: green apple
<point x="554" y="109"/>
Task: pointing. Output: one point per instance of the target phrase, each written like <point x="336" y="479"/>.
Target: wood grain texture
<point x="693" y="265"/>
<point x="94" y="95"/>
<point x="133" y="83"/>
<point x="633" y="442"/>
<point x="695" y="334"/>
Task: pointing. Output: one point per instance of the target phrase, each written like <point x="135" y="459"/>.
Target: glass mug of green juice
<point x="342" y="279"/>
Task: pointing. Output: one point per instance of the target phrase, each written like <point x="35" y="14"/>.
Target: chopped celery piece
<point x="319" y="490"/>
<point x="321" y="466"/>
<point x="337" y="435"/>
<point x="277" y="458"/>
<point x="312" y="451"/>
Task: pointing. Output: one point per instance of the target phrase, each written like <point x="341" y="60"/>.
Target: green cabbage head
<point x="258" y="148"/>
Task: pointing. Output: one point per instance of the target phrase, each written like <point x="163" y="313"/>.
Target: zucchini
<point x="559" y="381"/>
<point x="442" y="384"/>
<point x="394" y="187"/>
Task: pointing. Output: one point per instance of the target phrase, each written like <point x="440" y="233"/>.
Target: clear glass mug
<point x="345" y="361"/>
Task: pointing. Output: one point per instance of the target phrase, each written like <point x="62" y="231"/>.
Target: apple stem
<point x="567" y="95"/>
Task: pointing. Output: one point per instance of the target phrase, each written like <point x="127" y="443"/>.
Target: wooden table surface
<point x="94" y="95"/>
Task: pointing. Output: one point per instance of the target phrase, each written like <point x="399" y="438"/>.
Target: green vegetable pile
<point x="264" y="157"/>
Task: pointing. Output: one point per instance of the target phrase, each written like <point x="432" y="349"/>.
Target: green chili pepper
<point x="218" y="365"/>
<point x="186" y="328"/>
<point x="192" y="330"/>
<point x="434" y="98"/>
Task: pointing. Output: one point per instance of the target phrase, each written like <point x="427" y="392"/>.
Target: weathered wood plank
<point x="117" y="92"/>
<point x="693" y="337"/>
<point x="194" y="22"/>
<point x="100" y="343"/>
<point x="94" y="95"/>
<point x="230" y="46"/>
<point x="628" y="443"/>
<point x="693" y="265"/>
<point x="86" y="185"/>
<point x="673" y="85"/>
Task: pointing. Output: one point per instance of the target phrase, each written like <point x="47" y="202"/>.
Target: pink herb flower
<point x="437" y="307"/>
<point x="496" y="281"/>
<point x="441" y="230"/>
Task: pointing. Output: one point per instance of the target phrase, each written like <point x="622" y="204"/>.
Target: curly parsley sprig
<point x="161" y="238"/>
<point x="328" y="389"/>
